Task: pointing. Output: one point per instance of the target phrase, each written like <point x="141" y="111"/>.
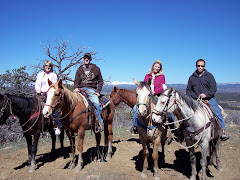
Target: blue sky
<point x="128" y="34"/>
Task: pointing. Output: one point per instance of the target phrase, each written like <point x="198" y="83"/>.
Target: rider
<point x="89" y="78"/>
<point x="202" y="84"/>
<point x="157" y="80"/>
<point x="41" y="87"/>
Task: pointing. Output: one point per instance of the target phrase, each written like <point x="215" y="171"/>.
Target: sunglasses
<point x="200" y="66"/>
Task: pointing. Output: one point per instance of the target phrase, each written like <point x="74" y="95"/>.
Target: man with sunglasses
<point x="202" y="84"/>
<point x="89" y="78"/>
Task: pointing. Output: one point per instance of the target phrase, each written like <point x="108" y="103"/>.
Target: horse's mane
<point x="71" y="96"/>
<point x="23" y="104"/>
<point x="188" y="100"/>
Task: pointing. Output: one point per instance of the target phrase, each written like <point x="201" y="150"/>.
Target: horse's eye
<point x="57" y="94"/>
<point x="163" y="103"/>
<point x="136" y="95"/>
<point x="149" y="95"/>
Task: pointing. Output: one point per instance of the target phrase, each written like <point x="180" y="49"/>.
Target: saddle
<point x="216" y="126"/>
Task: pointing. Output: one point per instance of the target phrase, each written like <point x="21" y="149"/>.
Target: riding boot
<point x="225" y="136"/>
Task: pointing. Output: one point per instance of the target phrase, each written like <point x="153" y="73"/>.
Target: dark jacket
<point x="204" y="84"/>
<point x="94" y="80"/>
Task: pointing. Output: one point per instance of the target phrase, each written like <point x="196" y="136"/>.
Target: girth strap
<point x="74" y="117"/>
<point x="193" y="134"/>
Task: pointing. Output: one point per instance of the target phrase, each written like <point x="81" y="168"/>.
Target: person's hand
<point x="76" y="90"/>
<point x="97" y="93"/>
<point x="203" y="96"/>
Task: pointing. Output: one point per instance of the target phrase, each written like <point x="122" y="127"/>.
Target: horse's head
<point x="144" y="97"/>
<point x="5" y="108"/>
<point x="164" y="105"/>
<point x="54" y="98"/>
<point x="115" y="97"/>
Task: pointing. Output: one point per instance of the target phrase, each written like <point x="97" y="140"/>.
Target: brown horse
<point x="75" y="110"/>
<point x="123" y="95"/>
<point x="149" y="132"/>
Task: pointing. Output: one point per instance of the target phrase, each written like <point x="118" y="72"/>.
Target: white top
<point x="41" y="84"/>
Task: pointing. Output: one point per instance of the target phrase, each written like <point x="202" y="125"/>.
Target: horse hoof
<point x="108" y="157"/>
<point x="143" y="175"/>
<point x="220" y="169"/>
<point x="156" y="178"/>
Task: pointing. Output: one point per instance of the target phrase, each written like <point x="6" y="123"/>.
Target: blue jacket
<point x="204" y="84"/>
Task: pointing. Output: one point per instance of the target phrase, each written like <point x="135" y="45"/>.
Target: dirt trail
<point x="125" y="164"/>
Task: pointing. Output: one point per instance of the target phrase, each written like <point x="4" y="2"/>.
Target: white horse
<point x="149" y="132"/>
<point x="196" y="123"/>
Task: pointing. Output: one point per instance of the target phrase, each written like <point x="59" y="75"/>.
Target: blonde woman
<point x="157" y="80"/>
<point x="41" y="87"/>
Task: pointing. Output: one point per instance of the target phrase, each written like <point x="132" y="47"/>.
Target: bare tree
<point x="64" y="56"/>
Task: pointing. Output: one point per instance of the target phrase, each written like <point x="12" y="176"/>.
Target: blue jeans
<point x="214" y="105"/>
<point x="95" y="100"/>
<point x="58" y="121"/>
<point x="135" y="116"/>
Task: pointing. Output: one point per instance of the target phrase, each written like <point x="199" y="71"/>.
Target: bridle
<point x="8" y="102"/>
<point x="58" y="102"/>
<point x="166" y="108"/>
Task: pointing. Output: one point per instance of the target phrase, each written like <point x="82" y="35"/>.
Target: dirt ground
<point x="126" y="162"/>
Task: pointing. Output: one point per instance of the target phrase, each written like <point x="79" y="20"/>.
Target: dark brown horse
<point x="123" y="95"/>
<point x="28" y="110"/>
<point x="75" y="110"/>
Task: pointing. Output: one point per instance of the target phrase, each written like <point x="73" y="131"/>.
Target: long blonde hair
<point x="48" y="63"/>
<point x="157" y="62"/>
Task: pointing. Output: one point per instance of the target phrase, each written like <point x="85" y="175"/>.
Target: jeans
<point x="214" y="105"/>
<point x="95" y="100"/>
<point x="58" y="121"/>
<point x="135" y="116"/>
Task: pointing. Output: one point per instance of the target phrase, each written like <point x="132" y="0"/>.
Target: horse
<point x="196" y="124"/>
<point x="123" y="95"/>
<point x="149" y="132"/>
<point x="28" y="110"/>
<point x="75" y="109"/>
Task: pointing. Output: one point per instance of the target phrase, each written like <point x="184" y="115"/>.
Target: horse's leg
<point x="163" y="141"/>
<point x="29" y="144"/>
<point x="62" y="137"/>
<point x="108" y="141"/>
<point x="53" y="137"/>
<point x="145" y="160"/>
<point x="219" y="167"/>
<point x="203" y="161"/>
<point x="72" y="148"/>
<point x="81" y="134"/>
<point x="99" y="155"/>
<point x="156" y="144"/>
<point x="193" y="162"/>
<point x="34" y="151"/>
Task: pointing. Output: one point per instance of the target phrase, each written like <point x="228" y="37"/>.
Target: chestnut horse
<point x="75" y="110"/>
<point x="28" y="110"/>
<point x="149" y="132"/>
<point x="123" y="95"/>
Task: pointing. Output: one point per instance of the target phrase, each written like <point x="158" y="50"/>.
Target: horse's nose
<point x="142" y="112"/>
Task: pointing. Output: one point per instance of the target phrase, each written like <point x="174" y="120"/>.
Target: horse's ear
<point x="60" y="84"/>
<point x="164" y="86"/>
<point x="149" y="81"/>
<point x="136" y="82"/>
<point x="115" y="88"/>
<point x="49" y="82"/>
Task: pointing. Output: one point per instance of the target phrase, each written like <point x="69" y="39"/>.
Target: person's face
<point x="156" y="68"/>
<point x="200" y="66"/>
<point x="47" y="68"/>
<point x="86" y="60"/>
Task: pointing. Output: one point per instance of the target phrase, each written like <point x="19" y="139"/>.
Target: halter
<point x="165" y="109"/>
<point x="8" y="102"/>
<point x="58" y="102"/>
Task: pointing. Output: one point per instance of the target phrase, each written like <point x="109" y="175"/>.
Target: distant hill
<point x="222" y="88"/>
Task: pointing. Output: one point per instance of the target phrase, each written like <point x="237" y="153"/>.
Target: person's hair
<point x="200" y="60"/>
<point x="157" y="62"/>
<point x="48" y="63"/>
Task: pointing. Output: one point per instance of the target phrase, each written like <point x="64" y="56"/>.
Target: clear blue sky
<point x="128" y="34"/>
